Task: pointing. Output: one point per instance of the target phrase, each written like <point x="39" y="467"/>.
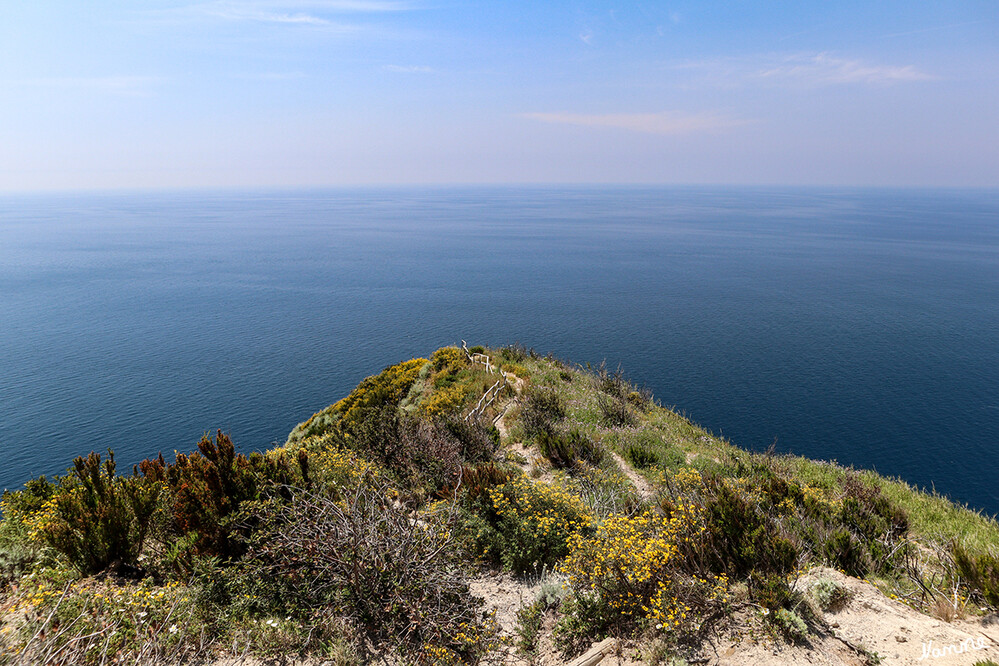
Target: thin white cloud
<point x="935" y="28"/>
<point x="272" y="76"/>
<point x="346" y="5"/>
<point x="235" y="11"/>
<point x="825" y="69"/>
<point x="121" y="85"/>
<point x="409" y="69"/>
<point x="287" y="12"/>
<point x="795" y="70"/>
<point x="649" y="123"/>
<point x="267" y="17"/>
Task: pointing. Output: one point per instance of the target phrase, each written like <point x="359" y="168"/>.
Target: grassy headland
<point x="359" y="536"/>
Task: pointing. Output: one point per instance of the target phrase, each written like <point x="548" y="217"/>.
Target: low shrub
<point x="565" y="449"/>
<point x="828" y="594"/>
<point x="771" y="591"/>
<point x="632" y="572"/>
<point x="363" y="557"/>
<point x="876" y="523"/>
<point x="541" y="412"/>
<point x="96" y="518"/>
<point x="845" y="552"/>
<point x="641" y="456"/>
<point x="615" y="411"/>
<point x="739" y="537"/>
<point x="524" y="525"/>
<point x="791" y="624"/>
<point x="648" y="449"/>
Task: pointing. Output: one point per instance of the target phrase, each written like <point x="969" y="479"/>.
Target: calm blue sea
<point x="856" y="325"/>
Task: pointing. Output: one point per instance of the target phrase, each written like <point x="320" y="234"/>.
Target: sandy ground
<point x="868" y="628"/>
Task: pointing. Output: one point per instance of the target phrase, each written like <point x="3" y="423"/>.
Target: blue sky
<point x="109" y="94"/>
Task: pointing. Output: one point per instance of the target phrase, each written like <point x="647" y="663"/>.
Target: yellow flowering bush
<point x="335" y="465"/>
<point x="687" y="478"/>
<point x="633" y="571"/>
<point x="630" y="556"/>
<point x="448" y="359"/>
<point x="526" y="525"/>
<point x="388" y="387"/>
<point x="446" y="401"/>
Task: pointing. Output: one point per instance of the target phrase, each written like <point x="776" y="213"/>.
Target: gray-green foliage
<point x="828" y="594"/>
<point x="791" y="623"/>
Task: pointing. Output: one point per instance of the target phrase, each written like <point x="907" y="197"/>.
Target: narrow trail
<point x="500" y="421"/>
<point x="644" y="488"/>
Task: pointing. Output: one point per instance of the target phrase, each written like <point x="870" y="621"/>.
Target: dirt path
<point x="500" y="421"/>
<point x="644" y="488"/>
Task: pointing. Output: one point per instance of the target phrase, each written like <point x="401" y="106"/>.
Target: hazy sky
<point x="113" y="94"/>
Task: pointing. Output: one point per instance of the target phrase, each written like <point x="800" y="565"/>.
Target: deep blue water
<point x="856" y="325"/>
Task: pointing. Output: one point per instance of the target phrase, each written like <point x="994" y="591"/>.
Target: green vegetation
<point x="361" y="533"/>
<point x="829" y="594"/>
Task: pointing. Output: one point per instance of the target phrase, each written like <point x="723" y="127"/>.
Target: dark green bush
<point x="565" y="449"/>
<point x="98" y="519"/>
<point x="771" y="590"/>
<point x="842" y="550"/>
<point x="641" y="455"/>
<point x="739" y="538"/>
<point x="541" y="413"/>
<point x="876" y="524"/>
<point x="615" y="411"/>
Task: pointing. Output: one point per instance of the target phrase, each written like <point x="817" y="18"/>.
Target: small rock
<point x="901" y="639"/>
